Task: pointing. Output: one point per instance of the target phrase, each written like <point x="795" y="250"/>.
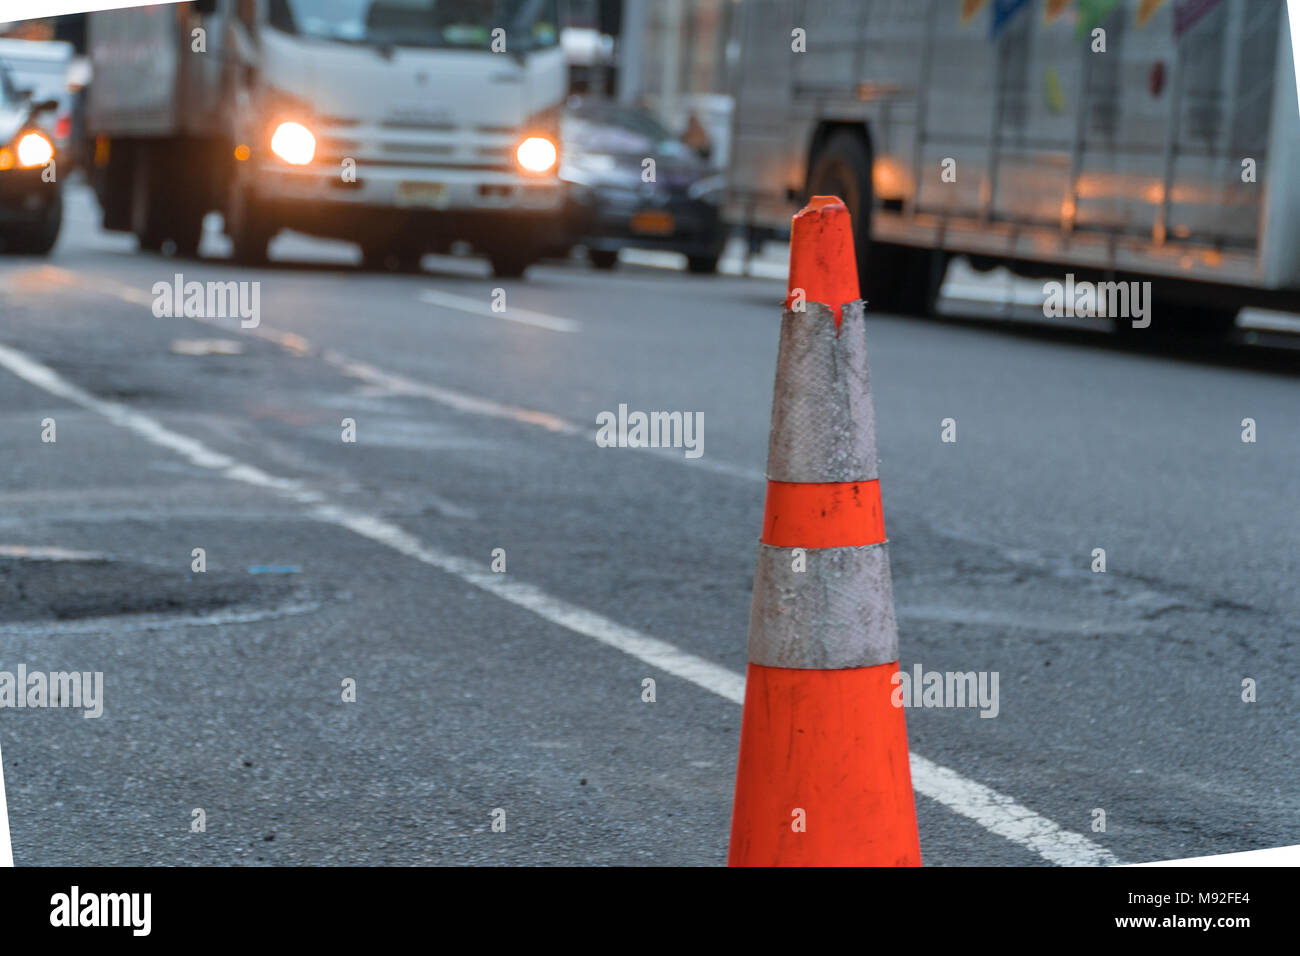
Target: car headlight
<point x="709" y="186"/>
<point x="33" y="149"/>
<point x="537" y="154"/>
<point x="294" y="143"/>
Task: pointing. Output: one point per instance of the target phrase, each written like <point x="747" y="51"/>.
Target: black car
<point x="31" y="199"/>
<point x="633" y="184"/>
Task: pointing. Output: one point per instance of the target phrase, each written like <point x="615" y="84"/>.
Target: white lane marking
<point x="995" y="811"/>
<point x="47" y="553"/>
<point x="642" y="646"/>
<point x="396" y="383"/>
<point x="1002" y="815"/>
<point x="6" y="849"/>
<point x="353" y="368"/>
<point x="459" y="401"/>
<point x="523" y="316"/>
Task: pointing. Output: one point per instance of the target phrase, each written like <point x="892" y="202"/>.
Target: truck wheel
<point x="383" y="258"/>
<point x="702" y="265"/>
<point x="1207" y="323"/>
<point x="892" y="278"/>
<point x="603" y="259"/>
<point x="1173" y="320"/>
<point x="188" y="231"/>
<point x="148" y="212"/>
<point x="39" y="239"/>
<point x="113" y="184"/>
<point x="917" y="277"/>
<point x="249" y="232"/>
<point x="163" y="207"/>
<point x="510" y="263"/>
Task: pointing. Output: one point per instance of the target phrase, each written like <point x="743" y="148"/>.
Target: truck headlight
<point x="537" y="154"/>
<point x="34" y="149"/>
<point x="294" y="143"/>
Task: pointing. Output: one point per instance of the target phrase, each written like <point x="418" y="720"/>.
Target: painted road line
<point x="393" y="382"/>
<point x="994" y="811"/>
<point x="44" y="553"/>
<point x="404" y="385"/>
<point x="476" y="307"/>
<point x="459" y="401"/>
<point x="353" y="368"/>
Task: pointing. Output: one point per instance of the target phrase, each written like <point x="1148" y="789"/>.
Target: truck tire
<point x="1174" y="320"/>
<point x="1207" y="322"/>
<point x="163" y="206"/>
<point x="112" y="183"/>
<point x="154" y="202"/>
<point x="702" y="265"/>
<point x="249" y="232"/>
<point x="892" y="278"/>
<point x="188" y="231"/>
<point x="381" y="257"/>
<point x="511" y="263"/>
<point x="603" y="259"/>
<point x="146" y="209"/>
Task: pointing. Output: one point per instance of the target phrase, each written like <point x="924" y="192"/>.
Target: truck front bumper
<point x="428" y="207"/>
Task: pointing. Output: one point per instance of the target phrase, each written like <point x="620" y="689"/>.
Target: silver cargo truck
<point x="1110" y="139"/>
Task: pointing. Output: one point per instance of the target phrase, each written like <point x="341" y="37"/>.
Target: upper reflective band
<point x="837" y="612"/>
<point x="823" y="427"/>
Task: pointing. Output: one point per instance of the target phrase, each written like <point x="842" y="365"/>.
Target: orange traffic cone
<point x="823" y="776"/>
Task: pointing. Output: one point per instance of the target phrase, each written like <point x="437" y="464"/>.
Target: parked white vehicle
<point x="1112" y="141"/>
<point x="403" y="125"/>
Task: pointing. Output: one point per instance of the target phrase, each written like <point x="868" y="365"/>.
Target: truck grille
<point x="418" y="145"/>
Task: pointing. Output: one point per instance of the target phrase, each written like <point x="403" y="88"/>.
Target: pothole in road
<point x="69" y="590"/>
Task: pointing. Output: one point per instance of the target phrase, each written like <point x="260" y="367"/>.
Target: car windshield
<point x="459" y="24"/>
<point x="609" y="128"/>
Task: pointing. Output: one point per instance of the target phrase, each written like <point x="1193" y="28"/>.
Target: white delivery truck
<point x="402" y="125"/>
<point x="1114" y="140"/>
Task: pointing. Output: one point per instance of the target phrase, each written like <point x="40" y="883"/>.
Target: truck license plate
<point x="652" y="222"/>
<point x="421" y="194"/>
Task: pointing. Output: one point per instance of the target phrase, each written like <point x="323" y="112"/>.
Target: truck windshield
<point x="459" y="24"/>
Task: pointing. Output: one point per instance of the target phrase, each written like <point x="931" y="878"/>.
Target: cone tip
<point x="817" y="203"/>
<point x="822" y="260"/>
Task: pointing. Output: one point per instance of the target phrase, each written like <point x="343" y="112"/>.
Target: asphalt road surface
<point x="330" y="562"/>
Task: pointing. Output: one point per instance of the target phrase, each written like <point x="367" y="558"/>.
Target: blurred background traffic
<point x="425" y="143"/>
<point x="1111" y="140"/>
